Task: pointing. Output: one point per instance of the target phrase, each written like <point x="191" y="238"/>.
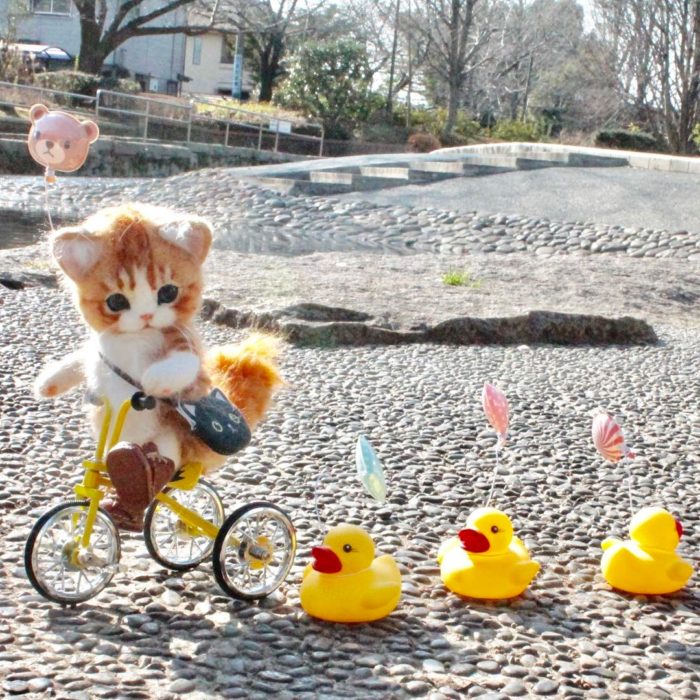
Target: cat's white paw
<point x="46" y="387"/>
<point x="171" y="375"/>
<point x="58" y="377"/>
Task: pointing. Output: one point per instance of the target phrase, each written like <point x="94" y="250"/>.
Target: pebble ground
<point x="252" y="220"/>
<point x="152" y="633"/>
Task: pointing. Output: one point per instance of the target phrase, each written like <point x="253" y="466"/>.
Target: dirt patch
<point x="408" y="291"/>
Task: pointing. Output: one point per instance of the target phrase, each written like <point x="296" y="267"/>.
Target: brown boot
<point x="137" y="474"/>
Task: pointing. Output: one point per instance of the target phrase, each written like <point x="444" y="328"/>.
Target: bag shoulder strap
<point x="120" y="373"/>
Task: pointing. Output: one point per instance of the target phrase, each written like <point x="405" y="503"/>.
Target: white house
<point x="210" y="65"/>
<point x="157" y="62"/>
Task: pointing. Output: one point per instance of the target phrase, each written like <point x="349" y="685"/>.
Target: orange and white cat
<point x="136" y="274"/>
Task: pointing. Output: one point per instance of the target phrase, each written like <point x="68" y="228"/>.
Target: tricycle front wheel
<point x="58" y="566"/>
<point x="254" y="551"/>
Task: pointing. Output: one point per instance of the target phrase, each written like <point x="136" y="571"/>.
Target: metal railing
<point x="263" y="123"/>
<point x="203" y="121"/>
<point x="196" y="120"/>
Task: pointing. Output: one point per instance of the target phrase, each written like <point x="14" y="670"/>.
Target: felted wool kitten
<point x="136" y="275"/>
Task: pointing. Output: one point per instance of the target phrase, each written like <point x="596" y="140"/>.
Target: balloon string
<point x="495" y="473"/>
<point x="47" y="205"/>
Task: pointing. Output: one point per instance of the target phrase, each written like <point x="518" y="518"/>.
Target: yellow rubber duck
<point x="486" y="560"/>
<point x="345" y="583"/>
<point x="647" y="563"/>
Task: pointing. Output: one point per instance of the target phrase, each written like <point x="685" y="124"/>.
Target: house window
<point x="228" y="48"/>
<point x="197" y="51"/>
<point x="51" y="7"/>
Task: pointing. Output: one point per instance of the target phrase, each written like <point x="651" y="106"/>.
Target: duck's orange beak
<point x="679" y="529"/>
<point x="473" y="541"/>
<point x="326" y="560"/>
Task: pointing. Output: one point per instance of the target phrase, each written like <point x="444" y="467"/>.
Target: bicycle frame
<point x="96" y="479"/>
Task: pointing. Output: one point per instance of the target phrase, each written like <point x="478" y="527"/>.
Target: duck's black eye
<point x="347" y="548"/>
<point x="494" y="529"/>
<point x="118" y="302"/>
<point x="167" y="293"/>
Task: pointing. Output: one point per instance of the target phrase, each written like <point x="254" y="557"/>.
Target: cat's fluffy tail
<point x="247" y="373"/>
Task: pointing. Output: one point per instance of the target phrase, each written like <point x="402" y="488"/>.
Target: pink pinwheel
<point x="608" y="439"/>
<point x="496" y="410"/>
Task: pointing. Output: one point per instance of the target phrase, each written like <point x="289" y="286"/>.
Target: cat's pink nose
<point x="146" y="317"/>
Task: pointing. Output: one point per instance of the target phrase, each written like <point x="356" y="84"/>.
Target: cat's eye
<point x="66" y="145"/>
<point x="117" y="302"/>
<point x="167" y="293"/>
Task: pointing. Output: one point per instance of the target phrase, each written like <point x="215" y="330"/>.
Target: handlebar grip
<point x="142" y="402"/>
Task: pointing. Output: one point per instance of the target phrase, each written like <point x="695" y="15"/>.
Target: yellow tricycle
<point x="73" y="550"/>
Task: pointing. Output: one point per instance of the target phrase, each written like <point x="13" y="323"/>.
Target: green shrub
<point x="383" y="133"/>
<point x="433" y="121"/>
<point x="696" y="135"/>
<point x="69" y="81"/>
<point x="330" y="81"/>
<point x="627" y="140"/>
<point x="124" y="85"/>
<point x="513" y="130"/>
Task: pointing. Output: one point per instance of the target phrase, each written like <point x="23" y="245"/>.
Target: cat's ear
<point x="76" y="251"/>
<point x="192" y="235"/>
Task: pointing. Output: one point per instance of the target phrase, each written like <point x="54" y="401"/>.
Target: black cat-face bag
<point x="213" y="419"/>
<point x="216" y="422"/>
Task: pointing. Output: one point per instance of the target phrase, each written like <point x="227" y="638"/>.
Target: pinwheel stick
<point x="317" y="479"/>
<point x="495" y="472"/>
<point x="627" y="460"/>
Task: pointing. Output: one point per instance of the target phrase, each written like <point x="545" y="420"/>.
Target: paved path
<point x="250" y="219"/>
<point x="626" y="196"/>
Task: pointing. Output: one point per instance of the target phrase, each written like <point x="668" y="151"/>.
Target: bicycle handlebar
<point x="142" y="402"/>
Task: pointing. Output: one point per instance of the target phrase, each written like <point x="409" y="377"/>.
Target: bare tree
<point x="457" y="37"/>
<point x="269" y="27"/>
<point x="656" y="45"/>
<point x="375" y="24"/>
<point x="103" y="28"/>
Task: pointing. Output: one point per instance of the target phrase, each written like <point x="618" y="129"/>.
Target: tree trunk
<point x="270" y="60"/>
<point x="267" y="79"/>
<point x="454" y="68"/>
<point x="452" y="105"/>
<point x="691" y="100"/>
<point x="92" y="53"/>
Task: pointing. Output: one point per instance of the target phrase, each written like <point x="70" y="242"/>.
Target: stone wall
<point x="120" y="157"/>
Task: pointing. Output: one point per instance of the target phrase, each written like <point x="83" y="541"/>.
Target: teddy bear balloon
<point x="58" y="140"/>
